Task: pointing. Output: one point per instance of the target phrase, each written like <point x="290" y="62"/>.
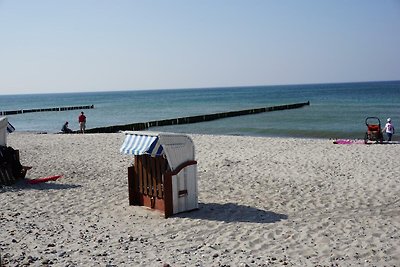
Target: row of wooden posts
<point x="192" y="119"/>
<point x="21" y="111"/>
<point x="145" y="125"/>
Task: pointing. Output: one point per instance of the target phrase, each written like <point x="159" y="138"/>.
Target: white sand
<point x="263" y="202"/>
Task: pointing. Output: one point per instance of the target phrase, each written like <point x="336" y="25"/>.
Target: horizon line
<point x="194" y="88"/>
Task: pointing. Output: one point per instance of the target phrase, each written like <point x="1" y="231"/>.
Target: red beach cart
<point x="374" y="132"/>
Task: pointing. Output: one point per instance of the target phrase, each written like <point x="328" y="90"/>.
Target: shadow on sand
<point x="231" y="212"/>
<point x="24" y="185"/>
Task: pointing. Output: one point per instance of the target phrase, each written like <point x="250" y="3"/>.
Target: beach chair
<point x="164" y="174"/>
<point x="3" y="131"/>
<point x="10" y="167"/>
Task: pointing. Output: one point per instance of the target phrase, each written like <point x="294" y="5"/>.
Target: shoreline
<point x="263" y="200"/>
<point x="395" y="138"/>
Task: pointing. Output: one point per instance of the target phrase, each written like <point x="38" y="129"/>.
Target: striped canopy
<point x="142" y="145"/>
<point x="10" y="128"/>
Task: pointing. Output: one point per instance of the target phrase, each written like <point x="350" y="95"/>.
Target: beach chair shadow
<point x="23" y="185"/>
<point x="232" y="212"/>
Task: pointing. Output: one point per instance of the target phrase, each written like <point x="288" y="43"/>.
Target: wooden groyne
<point x="192" y="119"/>
<point x="21" y="111"/>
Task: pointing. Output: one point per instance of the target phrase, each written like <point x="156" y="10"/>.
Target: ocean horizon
<point x="337" y="110"/>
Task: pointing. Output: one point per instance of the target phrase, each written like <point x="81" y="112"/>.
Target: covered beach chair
<point x="3" y="131"/>
<point x="10" y="167"/>
<point x="164" y="172"/>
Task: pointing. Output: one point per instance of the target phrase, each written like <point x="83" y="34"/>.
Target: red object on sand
<point x="44" y="179"/>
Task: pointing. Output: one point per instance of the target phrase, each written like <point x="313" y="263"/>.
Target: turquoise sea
<point x="335" y="111"/>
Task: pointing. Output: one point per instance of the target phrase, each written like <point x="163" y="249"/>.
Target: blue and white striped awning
<point x="142" y="145"/>
<point x="10" y="128"/>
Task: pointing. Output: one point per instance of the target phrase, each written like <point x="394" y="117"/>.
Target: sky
<point x="49" y="46"/>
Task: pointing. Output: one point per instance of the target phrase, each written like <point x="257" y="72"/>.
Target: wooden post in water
<point x="192" y="119"/>
<point x="21" y="111"/>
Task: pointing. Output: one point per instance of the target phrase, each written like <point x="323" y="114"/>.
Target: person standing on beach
<point x="389" y="129"/>
<point x="82" y="122"/>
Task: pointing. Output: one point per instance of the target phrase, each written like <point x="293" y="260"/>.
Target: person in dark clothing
<point x="65" y="128"/>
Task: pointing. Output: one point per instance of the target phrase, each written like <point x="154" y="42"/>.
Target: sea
<point x="336" y="110"/>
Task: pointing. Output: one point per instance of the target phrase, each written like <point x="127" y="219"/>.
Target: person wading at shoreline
<point x="82" y="122"/>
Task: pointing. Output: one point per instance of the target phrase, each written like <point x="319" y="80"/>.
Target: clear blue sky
<point x="95" y="45"/>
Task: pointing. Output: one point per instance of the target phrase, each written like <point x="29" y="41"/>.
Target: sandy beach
<point x="263" y="202"/>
